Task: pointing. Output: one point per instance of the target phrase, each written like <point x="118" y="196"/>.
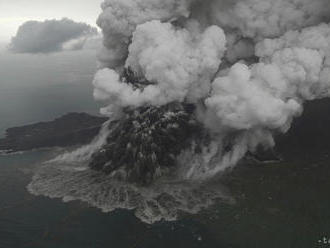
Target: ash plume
<point x="190" y="88"/>
<point x="247" y="65"/>
<point x="52" y="36"/>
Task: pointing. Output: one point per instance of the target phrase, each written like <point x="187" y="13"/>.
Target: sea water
<point x="278" y="205"/>
<point x="37" y="88"/>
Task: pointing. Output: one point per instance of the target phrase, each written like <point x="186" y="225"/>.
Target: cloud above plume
<point x="51" y="36"/>
<point x="262" y="18"/>
<point x="119" y="20"/>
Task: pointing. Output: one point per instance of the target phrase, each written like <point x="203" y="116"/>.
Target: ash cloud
<point x="52" y="36"/>
<point x="171" y="57"/>
<point x="249" y="65"/>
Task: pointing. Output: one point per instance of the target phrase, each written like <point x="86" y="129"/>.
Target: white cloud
<point x="21" y="11"/>
<point x="51" y="36"/>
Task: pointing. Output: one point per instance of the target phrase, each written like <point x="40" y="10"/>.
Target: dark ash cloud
<point x="51" y="36"/>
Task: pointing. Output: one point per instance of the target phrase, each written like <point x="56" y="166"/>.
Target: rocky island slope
<point x="146" y="141"/>
<point x="68" y="130"/>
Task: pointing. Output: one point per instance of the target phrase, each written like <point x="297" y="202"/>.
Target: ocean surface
<point x="41" y="87"/>
<point x="273" y="205"/>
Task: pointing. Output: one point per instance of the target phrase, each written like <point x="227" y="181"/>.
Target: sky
<point x="15" y="12"/>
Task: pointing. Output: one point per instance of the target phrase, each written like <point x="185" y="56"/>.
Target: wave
<point x="164" y="200"/>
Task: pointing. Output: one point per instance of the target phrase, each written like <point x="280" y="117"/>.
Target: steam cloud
<point x="248" y="64"/>
<point x="52" y="36"/>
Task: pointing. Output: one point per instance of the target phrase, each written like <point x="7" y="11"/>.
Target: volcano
<point x="144" y="142"/>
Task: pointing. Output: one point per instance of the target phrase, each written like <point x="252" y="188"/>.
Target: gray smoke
<point x="51" y="36"/>
<point x="249" y="64"/>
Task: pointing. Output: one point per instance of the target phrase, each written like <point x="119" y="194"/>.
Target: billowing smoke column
<point x="181" y="62"/>
<point x="247" y="65"/>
